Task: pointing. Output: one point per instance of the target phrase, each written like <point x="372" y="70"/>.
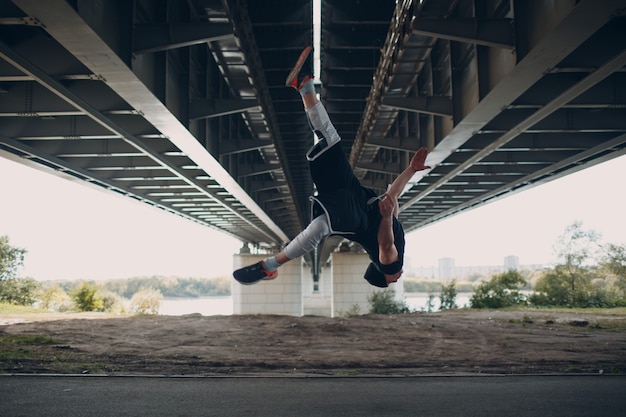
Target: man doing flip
<point x="342" y="205"/>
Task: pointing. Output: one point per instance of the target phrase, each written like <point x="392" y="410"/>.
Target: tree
<point x="382" y="302"/>
<point x="20" y="291"/>
<point x="430" y="303"/>
<point x="448" y="296"/>
<point x="614" y="259"/>
<point x="86" y="298"/>
<point x="146" y="301"/>
<point x="614" y="263"/>
<point x="576" y="248"/>
<point x="588" y="275"/>
<point x="503" y="290"/>
<point x="553" y="289"/>
<point x="53" y="298"/>
<point x="11" y="258"/>
<point x="12" y="289"/>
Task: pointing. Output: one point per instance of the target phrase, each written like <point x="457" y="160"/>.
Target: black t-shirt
<point x="369" y="238"/>
<point x="343" y="200"/>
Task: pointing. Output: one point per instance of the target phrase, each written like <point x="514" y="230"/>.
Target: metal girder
<point x="549" y="173"/>
<point x="161" y="37"/>
<point x="589" y="81"/>
<point x="260" y="70"/>
<point x="410" y="144"/>
<point x="209" y="108"/>
<point x="435" y="105"/>
<point x="59" y="165"/>
<point x="381" y="77"/>
<point x="71" y="31"/>
<point x="382" y="168"/>
<point x="233" y="147"/>
<point x="579" y="25"/>
<point x="249" y="170"/>
<point x="489" y="32"/>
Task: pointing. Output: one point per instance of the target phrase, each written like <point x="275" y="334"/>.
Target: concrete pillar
<point x="349" y="288"/>
<point x="317" y="303"/>
<point x="282" y="295"/>
<point x="342" y="288"/>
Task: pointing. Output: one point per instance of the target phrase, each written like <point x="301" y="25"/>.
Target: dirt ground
<point x="453" y="342"/>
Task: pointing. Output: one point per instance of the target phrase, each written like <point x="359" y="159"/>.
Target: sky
<point x="72" y="231"/>
<point x="528" y="224"/>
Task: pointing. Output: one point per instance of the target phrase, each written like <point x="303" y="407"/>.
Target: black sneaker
<point x="254" y="273"/>
<point x="296" y="79"/>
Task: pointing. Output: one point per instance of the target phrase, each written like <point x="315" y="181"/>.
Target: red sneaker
<point x="295" y="79"/>
<point x="252" y="274"/>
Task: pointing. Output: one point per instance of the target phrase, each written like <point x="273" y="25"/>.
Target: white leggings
<point x="318" y="229"/>
<point x="309" y="238"/>
<point x="325" y="131"/>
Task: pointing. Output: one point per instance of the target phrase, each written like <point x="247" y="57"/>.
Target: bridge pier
<point x="341" y="288"/>
<point x="282" y="295"/>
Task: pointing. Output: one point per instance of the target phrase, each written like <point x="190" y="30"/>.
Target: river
<point x="215" y="306"/>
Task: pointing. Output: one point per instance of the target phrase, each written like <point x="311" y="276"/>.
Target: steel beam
<point x="210" y="108"/>
<point x="63" y="23"/>
<point x="489" y="32"/>
<point x="435" y="105"/>
<point x="162" y="37"/>
<point x="232" y="147"/>
<point x="578" y="26"/>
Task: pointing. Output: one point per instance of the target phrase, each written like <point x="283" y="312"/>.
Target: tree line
<point x="136" y="295"/>
<point x="167" y="286"/>
<point x="586" y="274"/>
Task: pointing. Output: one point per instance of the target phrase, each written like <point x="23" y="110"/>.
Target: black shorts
<point x="341" y="194"/>
<point x="331" y="171"/>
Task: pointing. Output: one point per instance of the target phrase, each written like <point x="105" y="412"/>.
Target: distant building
<point x="484" y="270"/>
<point x="511" y="262"/>
<point x="429" y="272"/>
<point x="446" y="268"/>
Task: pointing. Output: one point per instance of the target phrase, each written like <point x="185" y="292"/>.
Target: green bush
<point x="14" y="290"/>
<point x="383" y="302"/>
<point x="448" y="296"/>
<point x="86" y="298"/>
<point x="19" y="291"/>
<point x="146" y="301"/>
<point x="53" y="298"/>
<point x="503" y="290"/>
<point x="11" y="258"/>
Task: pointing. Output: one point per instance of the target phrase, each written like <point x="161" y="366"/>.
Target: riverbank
<point x="458" y="341"/>
<point x="223" y="306"/>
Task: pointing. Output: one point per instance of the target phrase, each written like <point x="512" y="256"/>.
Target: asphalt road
<point x="484" y="396"/>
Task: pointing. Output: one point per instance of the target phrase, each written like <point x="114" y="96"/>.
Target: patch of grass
<point x="16" y="347"/>
<point x="38" y="353"/>
<point x="618" y="311"/>
<point x="608" y="325"/>
<point x="573" y="370"/>
<point x="609" y="368"/>
<point x="349" y="372"/>
<point x="35" y="339"/>
<point x="6" y="308"/>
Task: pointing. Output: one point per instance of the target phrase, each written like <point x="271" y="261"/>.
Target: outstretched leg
<point x="305" y="242"/>
<point x="318" y="229"/>
<point x="300" y="78"/>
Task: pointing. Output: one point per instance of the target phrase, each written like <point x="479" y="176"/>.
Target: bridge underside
<point x="182" y="104"/>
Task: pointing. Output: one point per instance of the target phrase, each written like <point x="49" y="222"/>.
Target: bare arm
<point x="388" y="206"/>
<point x="387" y="251"/>
<point x="417" y="164"/>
